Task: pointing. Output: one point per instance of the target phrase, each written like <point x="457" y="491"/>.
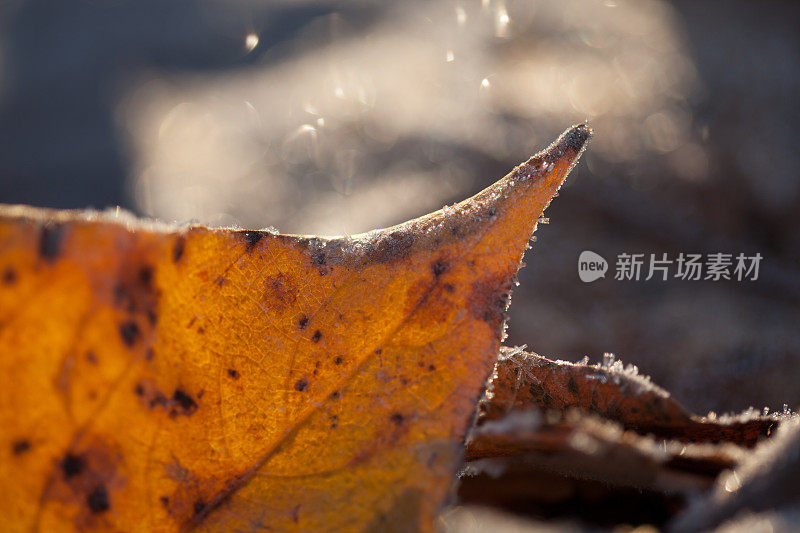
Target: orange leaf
<point x="161" y="379"/>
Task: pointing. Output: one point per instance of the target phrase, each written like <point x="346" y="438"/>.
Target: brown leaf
<point x="599" y="442"/>
<point x="614" y="392"/>
<point x="576" y="465"/>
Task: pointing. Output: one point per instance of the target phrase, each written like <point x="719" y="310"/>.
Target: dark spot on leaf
<point x="51" y="240"/>
<point x="201" y="330"/>
<point x="431" y="367"/>
<point x="490" y="212"/>
<point x="20" y="446"/>
<point x="233" y="373"/>
<point x="119" y="294"/>
<point x="378" y="351"/>
<point x="158" y="399"/>
<point x="301" y="384"/>
<point x="338" y="360"/>
<point x="139" y="389"/>
<point x="97" y="500"/>
<point x="545" y="399"/>
<point x="397" y="418"/>
<point x="129" y="331"/>
<point x="439" y="267"/>
<point x="164" y="500"/>
<point x="91" y="357"/>
<point x="199" y="505"/>
<point x="178" y="248"/>
<point x="146" y="275"/>
<point x="572" y="385"/>
<point x="318" y="257"/>
<point x="9" y="276"/>
<point x="317" y="336"/>
<point x="72" y="465"/>
<point x="251" y="238"/>
<point x="280" y="291"/>
<point x="220" y="281"/>
<point x="124" y="298"/>
<point x="303" y="322"/>
<point x="184" y="401"/>
<point x="449" y="287"/>
<point x="149" y="354"/>
<point x="335" y="395"/>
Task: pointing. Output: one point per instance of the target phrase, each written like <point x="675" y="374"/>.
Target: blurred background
<point x="340" y="117"/>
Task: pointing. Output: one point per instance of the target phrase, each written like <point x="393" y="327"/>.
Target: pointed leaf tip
<point x="564" y="151"/>
<point x="575" y="138"/>
<point x="520" y="197"/>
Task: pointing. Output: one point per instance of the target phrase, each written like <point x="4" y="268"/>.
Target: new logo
<point x="591" y="266"/>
